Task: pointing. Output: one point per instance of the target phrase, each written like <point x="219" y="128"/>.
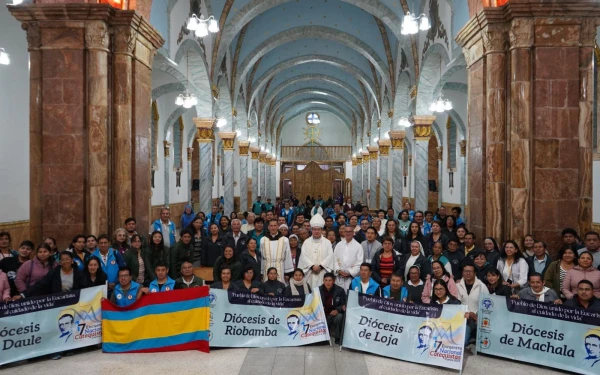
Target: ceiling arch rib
<point x="255" y="8"/>
<point x="315" y="93"/>
<point x="312" y="102"/>
<point x="312" y="77"/>
<point x="339" y="63"/>
<point x="304" y="32"/>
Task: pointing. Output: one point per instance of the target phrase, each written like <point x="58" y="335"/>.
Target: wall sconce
<point x="405" y="181"/>
<point x="451" y="179"/>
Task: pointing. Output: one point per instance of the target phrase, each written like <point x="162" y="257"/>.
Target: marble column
<point x="530" y="173"/>
<point x="366" y="178"/>
<point x="422" y="133"/>
<point x="397" y="139"/>
<point x="167" y="170"/>
<point x="228" y="139"/>
<point x="243" y="150"/>
<point x="384" y="162"/>
<point x="262" y="191"/>
<point x="206" y="137"/>
<point x="463" y="176"/>
<point x="254" y="151"/>
<point x="70" y="51"/>
<point x="440" y="177"/>
<point x="359" y="178"/>
<point x="355" y="189"/>
<point x="373" y="158"/>
<point x="273" y="179"/>
<point x="190" y="154"/>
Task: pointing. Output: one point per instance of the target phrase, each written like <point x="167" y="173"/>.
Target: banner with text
<point x="428" y="334"/>
<point x="54" y="323"/>
<point x="240" y="319"/>
<point x="558" y="336"/>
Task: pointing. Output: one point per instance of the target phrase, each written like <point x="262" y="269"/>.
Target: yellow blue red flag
<point x="158" y="322"/>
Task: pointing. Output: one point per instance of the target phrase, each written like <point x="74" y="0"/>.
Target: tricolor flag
<point x="158" y="322"/>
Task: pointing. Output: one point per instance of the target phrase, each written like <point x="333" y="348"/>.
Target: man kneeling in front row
<point x="334" y="304"/>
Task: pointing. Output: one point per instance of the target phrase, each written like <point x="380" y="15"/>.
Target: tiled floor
<point x="309" y="360"/>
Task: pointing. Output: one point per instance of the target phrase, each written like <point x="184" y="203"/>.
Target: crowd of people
<point x="292" y="248"/>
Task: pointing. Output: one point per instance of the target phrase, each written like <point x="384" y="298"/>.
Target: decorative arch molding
<point x="402" y="101"/>
<point x="438" y="133"/>
<point x="458" y="121"/>
<point x="315" y="77"/>
<point x="167" y="88"/>
<point x="304" y="32"/>
<point x="173" y="118"/>
<point x="316" y="93"/>
<point x="317" y="109"/>
<point x="325" y="102"/>
<point x="430" y="75"/>
<point x="339" y="63"/>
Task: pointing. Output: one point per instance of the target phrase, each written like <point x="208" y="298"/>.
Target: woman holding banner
<point x="248" y="283"/>
<point x="495" y="283"/>
<point x="442" y="295"/>
<point x="225" y="283"/>
<point x="298" y="285"/>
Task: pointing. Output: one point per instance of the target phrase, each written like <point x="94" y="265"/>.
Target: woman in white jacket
<point x="513" y="266"/>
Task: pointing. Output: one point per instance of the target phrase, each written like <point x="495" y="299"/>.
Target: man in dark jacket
<point x="584" y="299"/>
<point x="455" y="257"/>
<point x="334" y="304"/>
<point x="59" y="279"/>
<point x="236" y="238"/>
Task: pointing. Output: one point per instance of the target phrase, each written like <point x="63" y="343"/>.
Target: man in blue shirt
<point x="163" y="282"/>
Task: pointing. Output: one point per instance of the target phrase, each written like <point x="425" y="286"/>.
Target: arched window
<point x="313" y="119"/>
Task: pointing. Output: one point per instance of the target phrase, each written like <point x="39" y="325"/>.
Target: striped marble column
<point x="254" y="172"/>
<point x="262" y="156"/>
<point x="267" y="193"/>
<point x="273" y="179"/>
<point x="355" y="190"/>
<point x="440" y="180"/>
<point x="422" y="133"/>
<point x="228" y="142"/>
<point x="359" y="178"/>
<point x="190" y="153"/>
<point x="243" y="150"/>
<point x="384" y="162"/>
<point x="373" y="157"/>
<point x="397" y="139"/>
<point x="205" y="137"/>
<point x="365" y="176"/>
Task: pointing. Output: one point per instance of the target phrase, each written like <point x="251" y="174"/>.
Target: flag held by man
<point x="158" y="322"/>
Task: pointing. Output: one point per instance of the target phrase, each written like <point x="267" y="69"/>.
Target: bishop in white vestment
<point x="316" y="258"/>
<point x="348" y="256"/>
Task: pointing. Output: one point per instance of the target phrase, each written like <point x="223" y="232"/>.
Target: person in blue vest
<point x="395" y="290"/>
<point x="166" y="227"/>
<point x="80" y="253"/>
<point x="127" y="291"/>
<point x="363" y="283"/>
<point x="111" y="261"/>
<point x="288" y="213"/>
<point x="214" y="217"/>
<point x="163" y="282"/>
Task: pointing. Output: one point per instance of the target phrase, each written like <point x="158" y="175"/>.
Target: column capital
<point x="273" y="160"/>
<point x="354" y="161"/>
<point x="244" y="145"/>
<point x="228" y="139"/>
<point x="359" y="159"/>
<point x="422" y="127"/>
<point x="262" y="156"/>
<point x="397" y="139"/>
<point x="365" y="156"/>
<point x="384" y="147"/>
<point x="205" y="131"/>
<point x="463" y="147"/>
<point x="373" y="152"/>
<point x="254" y="151"/>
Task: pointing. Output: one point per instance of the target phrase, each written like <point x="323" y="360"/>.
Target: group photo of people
<point x="291" y="248"/>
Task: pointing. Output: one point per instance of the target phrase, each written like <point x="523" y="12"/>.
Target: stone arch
<point x="342" y="64"/>
<point x="402" y="101"/>
<point x="458" y="121"/>
<point x="430" y="75"/>
<point x="312" y="32"/>
<point x="223" y="106"/>
<point x="167" y="88"/>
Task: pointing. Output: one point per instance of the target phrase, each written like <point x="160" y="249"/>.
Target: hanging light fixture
<point x="440" y="105"/>
<point x="412" y="24"/>
<point x="404" y="122"/>
<point x="4" y="57"/>
<point x="186" y="99"/>
<point x="202" y="26"/>
<point x="221" y="122"/>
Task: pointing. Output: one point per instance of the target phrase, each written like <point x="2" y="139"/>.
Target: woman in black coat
<point x="213" y="246"/>
<point x="494" y="283"/>
<point x="93" y="274"/>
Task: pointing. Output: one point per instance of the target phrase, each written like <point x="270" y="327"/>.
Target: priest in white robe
<point x="275" y="250"/>
<point x="316" y="258"/>
<point x="348" y="257"/>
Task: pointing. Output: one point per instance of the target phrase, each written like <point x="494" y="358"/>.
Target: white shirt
<point x="247" y="228"/>
<point x="316" y="252"/>
<point x="347" y="257"/>
<point x="364" y="286"/>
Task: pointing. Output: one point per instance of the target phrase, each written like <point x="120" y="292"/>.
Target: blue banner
<point x="558" y="336"/>
<point x="37" y="326"/>
<point x="427" y="334"/>
<point x="244" y="320"/>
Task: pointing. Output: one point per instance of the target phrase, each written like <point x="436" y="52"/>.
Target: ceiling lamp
<point x="440" y="105"/>
<point x="221" y="122"/>
<point x="4" y="57"/>
<point x="412" y="24"/>
<point x="404" y="122"/>
<point x="202" y="26"/>
<point x="186" y="100"/>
